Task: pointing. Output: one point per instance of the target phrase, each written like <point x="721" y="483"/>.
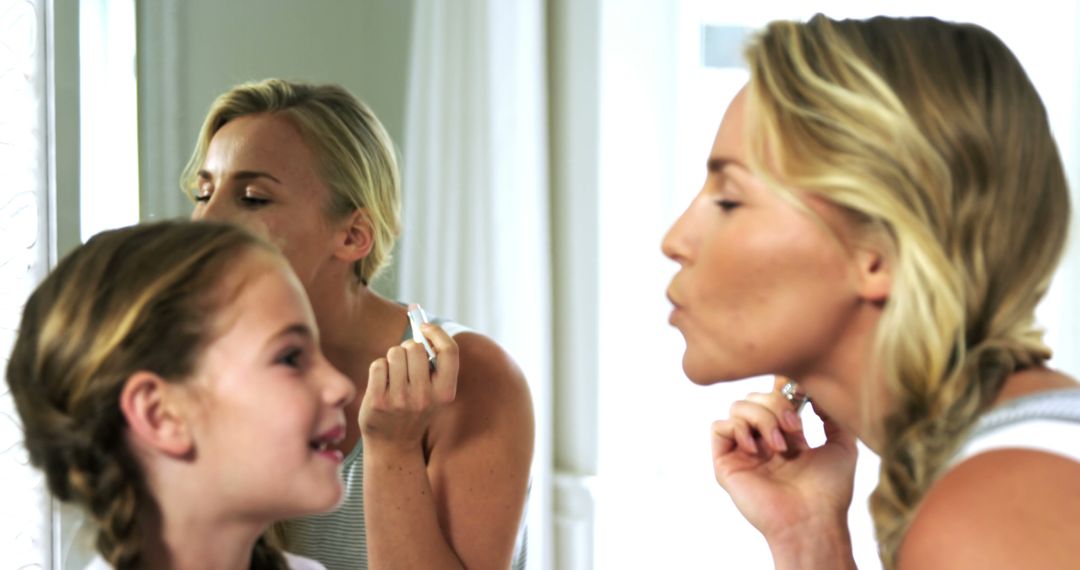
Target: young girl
<point x="884" y="208"/>
<point x="169" y="381"/>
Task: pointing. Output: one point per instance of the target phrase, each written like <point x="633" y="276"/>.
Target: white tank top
<point x="1047" y="421"/>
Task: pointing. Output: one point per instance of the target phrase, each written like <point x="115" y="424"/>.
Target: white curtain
<point x="25" y="523"/>
<point x="476" y="213"/>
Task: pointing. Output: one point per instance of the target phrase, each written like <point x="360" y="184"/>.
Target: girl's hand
<point x="787" y="490"/>
<point x="403" y="392"/>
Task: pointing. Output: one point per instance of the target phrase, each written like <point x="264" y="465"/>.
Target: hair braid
<point x="128" y="300"/>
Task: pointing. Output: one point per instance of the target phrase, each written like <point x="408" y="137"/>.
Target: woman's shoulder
<point x="493" y="394"/>
<point x="1011" y="495"/>
<point x="488" y="372"/>
<point x="1008" y="508"/>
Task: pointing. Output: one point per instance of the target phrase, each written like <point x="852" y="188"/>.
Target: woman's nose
<point x="672" y="244"/>
<point x="205" y="210"/>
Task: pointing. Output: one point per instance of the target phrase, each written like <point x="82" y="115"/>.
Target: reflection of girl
<point x="311" y="168"/>
<point x="883" y="210"/>
<point x="169" y="381"/>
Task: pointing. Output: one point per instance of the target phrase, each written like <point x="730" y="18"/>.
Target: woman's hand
<point x="797" y="497"/>
<point x="403" y="392"/>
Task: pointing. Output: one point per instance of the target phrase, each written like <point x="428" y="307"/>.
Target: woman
<point x="884" y="208"/>
<point x="313" y="170"/>
<point x="184" y="406"/>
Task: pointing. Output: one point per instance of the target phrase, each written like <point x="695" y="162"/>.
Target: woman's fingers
<point x="789" y="422"/>
<point x="761" y="424"/>
<point x="736" y="434"/>
<point x="722" y="440"/>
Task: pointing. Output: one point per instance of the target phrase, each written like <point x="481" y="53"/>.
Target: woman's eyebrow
<point x="719" y="163"/>
<point x="242" y="175"/>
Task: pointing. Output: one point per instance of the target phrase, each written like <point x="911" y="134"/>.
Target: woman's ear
<point x="874" y="269"/>
<point x="356" y="237"/>
<point x="153" y="413"/>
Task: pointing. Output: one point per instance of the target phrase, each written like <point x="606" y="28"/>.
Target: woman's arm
<point x="463" y="506"/>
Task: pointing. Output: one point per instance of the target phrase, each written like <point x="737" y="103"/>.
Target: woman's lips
<point x="675" y="309"/>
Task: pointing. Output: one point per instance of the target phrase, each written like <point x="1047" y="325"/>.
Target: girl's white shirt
<point x="294" y="562"/>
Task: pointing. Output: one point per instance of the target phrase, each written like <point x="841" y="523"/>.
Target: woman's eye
<point x="727" y="205"/>
<point x="202" y="195"/>
<point x="254" y="201"/>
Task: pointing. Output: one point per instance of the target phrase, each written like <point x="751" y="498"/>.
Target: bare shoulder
<point x="1010" y="508"/>
<point x="492" y="391"/>
<point x="487" y="368"/>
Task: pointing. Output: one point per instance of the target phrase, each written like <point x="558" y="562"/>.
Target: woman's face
<point x="763" y="287"/>
<point x="267" y="408"/>
<point x="260" y="173"/>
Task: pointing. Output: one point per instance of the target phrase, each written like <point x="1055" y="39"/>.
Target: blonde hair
<point x="354" y="155"/>
<point x="138" y="298"/>
<point x="932" y="136"/>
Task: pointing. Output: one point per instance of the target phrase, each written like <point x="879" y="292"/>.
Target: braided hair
<point x="128" y="300"/>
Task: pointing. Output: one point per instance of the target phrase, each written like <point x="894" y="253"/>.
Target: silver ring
<point x="791" y="393"/>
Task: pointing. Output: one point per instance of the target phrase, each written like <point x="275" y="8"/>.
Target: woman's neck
<point x="844" y="383"/>
<point x="356" y="325"/>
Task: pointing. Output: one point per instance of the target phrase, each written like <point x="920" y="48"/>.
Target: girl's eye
<point x="291" y="358"/>
<point x="202" y="195"/>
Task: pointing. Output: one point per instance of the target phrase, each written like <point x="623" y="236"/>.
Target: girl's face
<point x="260" y="173"/>
<point x="763" y="287"/>
<point x="266" y="407"/>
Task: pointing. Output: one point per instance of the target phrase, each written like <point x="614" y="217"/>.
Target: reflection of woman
<point x="169" y="382"/>
<point x="883" y="210"/>
<point x="310" y="167"/>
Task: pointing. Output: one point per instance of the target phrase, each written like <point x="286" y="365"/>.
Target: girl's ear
<point x="356" y="237"/>
<point x="150" y="406"/>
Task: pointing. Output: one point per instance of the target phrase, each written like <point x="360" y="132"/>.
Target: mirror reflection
<point x="531" y="158"/>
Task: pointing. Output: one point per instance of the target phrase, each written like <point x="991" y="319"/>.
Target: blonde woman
<point x="883" y="210"/>
<point x="427" y="485"/>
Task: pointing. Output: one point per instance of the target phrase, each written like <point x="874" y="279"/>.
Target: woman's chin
<point x="701" y="375"/>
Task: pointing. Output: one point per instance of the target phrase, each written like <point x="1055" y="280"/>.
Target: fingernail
<point x="792" y="420"/>
<point x="779" y="443"/>
<point x="751" y="445"/>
